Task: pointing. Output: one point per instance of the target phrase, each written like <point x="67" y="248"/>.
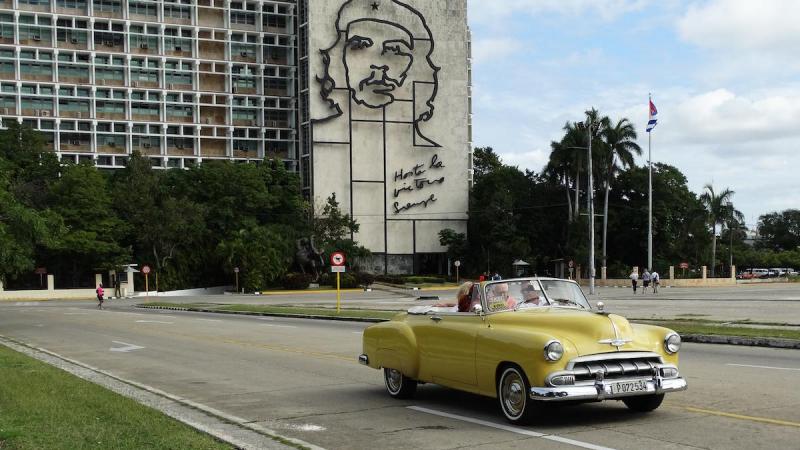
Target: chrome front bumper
<point x="601" y="390"/>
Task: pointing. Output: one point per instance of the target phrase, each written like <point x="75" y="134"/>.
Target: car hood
<point x="587" y="332"/>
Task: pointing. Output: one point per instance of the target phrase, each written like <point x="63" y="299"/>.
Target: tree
<point x="717" y="212"/>
<point x="333" y="231"/>
<point x="620" y="146"/>
<point x="456" y="244"/>
<point x="260" y="251"/>
<point x="93" y="230"/>
<point x="484" y="162"/>
<point x="780" y="231"/>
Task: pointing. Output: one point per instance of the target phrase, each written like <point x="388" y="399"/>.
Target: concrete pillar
<point x="733" y="273"/>
<point x="705" y="272"/>
<point x="636" y="269"/>
<point x="578" y="273"/>
<point x="671" y="272"/>
<point x="51" y="282"/>
<point x="603" y="272"/>
<point x="1" y="285"/>
<point x="98" y="278"/>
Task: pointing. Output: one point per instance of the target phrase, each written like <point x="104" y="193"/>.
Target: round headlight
<point x="672" y="343"/>
<point x="553" y="351"/>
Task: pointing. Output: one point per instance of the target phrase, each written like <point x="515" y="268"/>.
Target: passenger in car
<point x="463" y="303"/>
<point x="500" y="294"/>
<point x="531" y="297"/>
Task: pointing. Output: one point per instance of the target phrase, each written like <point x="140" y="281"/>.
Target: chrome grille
<point x="640" y="365"/>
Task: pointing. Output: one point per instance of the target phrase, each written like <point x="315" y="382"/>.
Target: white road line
<point x="764" y="367"/>
<point x="155" y="321"/>
<point x="77" y="314"/>
<point x="210" y="320"/>
<point x="266" y="318"/>
<point x="357" y="332"/>
<point x="279" y="326"/>
<point x="125" y="347"/>
<point x="510" y="428"/>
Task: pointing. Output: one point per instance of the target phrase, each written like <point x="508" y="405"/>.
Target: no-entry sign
<point x="337" y="259"/>
<point x="146" y="270"/>
<point x="684" y="265"/>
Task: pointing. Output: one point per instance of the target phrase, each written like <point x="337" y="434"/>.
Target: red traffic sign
<point x="40" y="271"/>
<point x="337" y="259"/>
<point x="684" y="265"/>
<point x="571" y="263"/>
<point x="146" y="270"/>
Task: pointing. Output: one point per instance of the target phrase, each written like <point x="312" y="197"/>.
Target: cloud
<point x="490" y="11"/>
<point x="743" y="25"/>
<point x="492" y="49"/>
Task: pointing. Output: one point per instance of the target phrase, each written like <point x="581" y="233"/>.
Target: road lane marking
<point x="126" y="347"/>
<point x="742" y="417"/>
<point x="210" y="320"/>
<point x="77" y="314"/>
<point x="279" y="326"/>
<point x="764" y="367"/>
<point x="510" y="428"/>
<point x="155" y="321"/>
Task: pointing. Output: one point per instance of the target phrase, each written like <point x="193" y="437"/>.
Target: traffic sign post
<point x="457" y="264"/>
<point x="146" y="271"/>
<point x="684" y="266"/>
<point x="236" y="274"/>
<point x="571" y="265"/>
<point x="337" y="266"/>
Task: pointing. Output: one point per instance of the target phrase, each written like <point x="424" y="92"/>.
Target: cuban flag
<point x="653" y="120"/>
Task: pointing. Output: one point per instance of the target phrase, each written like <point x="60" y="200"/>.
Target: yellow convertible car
<point x="526" y="341"/>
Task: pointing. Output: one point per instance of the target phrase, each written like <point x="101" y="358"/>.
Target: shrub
<point x="424" y="279"/>
<point x="347" y="281"/>
<point x="326" y="279"/>
<point x="391" y="279"/>
<point x="365" y="279"/>
<point x="296" y="281"/>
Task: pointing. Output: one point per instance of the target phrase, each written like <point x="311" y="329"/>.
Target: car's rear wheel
<point x="398" y="385"/>
<point x="645" y="403"/>
<point x="512" y="393"/>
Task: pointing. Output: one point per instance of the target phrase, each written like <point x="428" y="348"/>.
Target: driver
<point x="531" y="297"/>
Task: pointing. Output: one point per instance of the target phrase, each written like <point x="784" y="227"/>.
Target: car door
<point x="446" y="342"/>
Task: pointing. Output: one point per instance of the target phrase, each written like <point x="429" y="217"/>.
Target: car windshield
<point x="565" y="293"/>
<point x="514" y="294"/>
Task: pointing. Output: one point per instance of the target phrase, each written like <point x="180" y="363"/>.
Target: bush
<point x="391" y="279"/>
<point x="347" y="281"/>
<point x="296" y="281"/>
<point x="326" y="279"/>
<point x="415" y="279"/>
<point x="365" y="279"/>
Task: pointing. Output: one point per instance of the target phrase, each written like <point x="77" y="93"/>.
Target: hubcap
<point x="394" y="380"/>
<point x="513" y="394"/>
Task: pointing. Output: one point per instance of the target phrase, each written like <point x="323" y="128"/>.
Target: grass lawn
<point x="327" y="312"/>
<point x="717" y="328"/>
<point x="42" y="407"/>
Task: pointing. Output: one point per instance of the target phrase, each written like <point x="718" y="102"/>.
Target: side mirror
<point x="478" y="309"/>
<point x="601" y="306"/>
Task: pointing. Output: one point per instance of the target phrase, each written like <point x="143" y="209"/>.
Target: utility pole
<point x="590" y="198"/>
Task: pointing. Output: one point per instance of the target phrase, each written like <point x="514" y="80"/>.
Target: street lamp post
<point x="730" y="233"/>
<point x="590" y="207"/>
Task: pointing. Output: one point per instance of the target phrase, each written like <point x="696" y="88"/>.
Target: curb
<point x="740" y="340"/>
<point x="286" y="315"/>
<point x="694" y="338"/>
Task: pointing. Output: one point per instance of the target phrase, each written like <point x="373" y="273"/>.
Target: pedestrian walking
<point x="645" y="280"/>
<point x="496" y="277"/>
<point x="99" y="296"/>
<point x="117" y="287"/>
<point x="634" y="276"/>
<point x="655" y="279"/>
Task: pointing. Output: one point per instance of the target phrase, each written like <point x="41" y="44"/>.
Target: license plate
<point x="626" y="387"/>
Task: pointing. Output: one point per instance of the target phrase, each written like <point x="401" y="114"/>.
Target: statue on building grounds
<point x="307" y="258"/>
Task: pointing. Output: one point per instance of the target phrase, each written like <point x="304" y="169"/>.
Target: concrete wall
<point x="403" y="178"/>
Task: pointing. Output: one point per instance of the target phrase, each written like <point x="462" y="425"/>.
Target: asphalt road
<point x="770" y="303"/>
<point x="300" y="377"/>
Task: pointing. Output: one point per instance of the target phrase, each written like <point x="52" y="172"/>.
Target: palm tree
<point x="718" y="210"/>
<point x="620" y="145"/>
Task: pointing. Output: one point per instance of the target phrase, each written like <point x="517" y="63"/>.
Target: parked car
<point x="526" y="353"/>
<point x="760" y="273"/>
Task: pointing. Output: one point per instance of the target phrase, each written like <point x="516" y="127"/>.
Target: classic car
<point x="526" y="341"/>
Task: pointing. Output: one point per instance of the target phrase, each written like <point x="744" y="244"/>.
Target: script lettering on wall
<point x="419" y="178"/>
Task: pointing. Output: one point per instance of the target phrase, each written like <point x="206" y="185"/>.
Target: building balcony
<point x="180" y="151"/>
<point x="150" y="50"/>
<point x="110" y="116"/>
<point x="75" y="114"/>
<point x="148" y="150"/>
<point x="144" y="84"/>
<point x="35" y="42"/>
<point x="207" y="17"/>
<point x="27" y="7"/>
<point x="179" y="119"/>
<point x="246" y="58"/>
<point x="178" y="20"/>
<point x="73" y="80"/>
<point x="245" y="122"/>
<point x="68" y="11"/>
<point x="108" y="14"/>
<point x="213" y="148"/>
<point x="75" y="146"/>
<point x="245" y="154"/>
<point x="212" y="83"/>
<point x="36" y="77"/>
<point x="112" y="149"/>
<point x="146" y="117"/>
<point x="70" y="45"/>
<point x="183" y="52"/>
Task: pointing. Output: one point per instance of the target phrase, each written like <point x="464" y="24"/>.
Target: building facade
<point x="385" y="122"/>
<point x="179" y="81"/>
<point x="369" y="100"/>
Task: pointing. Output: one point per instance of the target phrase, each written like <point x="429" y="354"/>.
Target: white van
<point x="760" y="273"/>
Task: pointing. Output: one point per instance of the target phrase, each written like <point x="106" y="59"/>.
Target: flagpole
<point x="650" y="195"/>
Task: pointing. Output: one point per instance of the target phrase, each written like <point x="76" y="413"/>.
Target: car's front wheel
<point x="398" y="385"/>
<point x="645" y="403"/>
<point x="512" y="392"/>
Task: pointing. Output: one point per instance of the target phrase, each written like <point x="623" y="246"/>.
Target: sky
<point x="724" y="75"/>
